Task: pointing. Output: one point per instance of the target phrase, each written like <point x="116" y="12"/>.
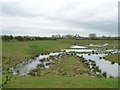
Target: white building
<point x="92" y="36"/>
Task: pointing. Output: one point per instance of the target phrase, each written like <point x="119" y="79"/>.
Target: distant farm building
<point x="92" y="36"/>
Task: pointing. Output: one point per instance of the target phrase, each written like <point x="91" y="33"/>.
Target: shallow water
<point x="76" y="46"/>
<point x="78" y="50"/>
<point x="25" y="69"/>
<point x="104" y="65"/>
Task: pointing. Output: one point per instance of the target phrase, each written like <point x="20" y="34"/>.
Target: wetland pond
<point x="111" y="69"/>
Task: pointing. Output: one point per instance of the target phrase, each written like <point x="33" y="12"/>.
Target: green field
<point x="55" y="81"/>
<point x="13" y="52"/>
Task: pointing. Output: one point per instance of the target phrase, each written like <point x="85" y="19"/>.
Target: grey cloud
<point x="12" y="9"/>
<point x="104" y="26"/>
<point x="17" y="10"/>
<point x="101" y="24"/>
<point x="72" y="14"/>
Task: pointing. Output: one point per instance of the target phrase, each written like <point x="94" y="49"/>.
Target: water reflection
<point x="78" y="50"/>
<point x="25" y="67"/>
<point x="104" y="65"/>
<point x="76" y="46"/>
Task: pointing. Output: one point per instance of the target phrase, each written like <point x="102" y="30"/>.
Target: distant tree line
<point x="24" y="38"/>
<point x="78" y="37"/>
<point x="53" y="37"/>
<point x="108" y="38"/>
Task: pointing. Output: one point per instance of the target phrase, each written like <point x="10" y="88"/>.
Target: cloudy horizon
<point x="48" y="17"/>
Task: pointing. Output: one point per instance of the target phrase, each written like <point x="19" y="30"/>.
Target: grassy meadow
<point x="14" y="52"/>
<point x="57" y="81"/>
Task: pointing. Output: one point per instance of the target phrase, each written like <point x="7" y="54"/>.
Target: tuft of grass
<point x="113" y="57"/>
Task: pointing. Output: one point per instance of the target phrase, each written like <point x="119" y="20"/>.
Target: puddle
<point x="76" y="46"/>
<point x="104" y="65"/>
<point x="25" y="67"/>
<point x="78" y="50"/>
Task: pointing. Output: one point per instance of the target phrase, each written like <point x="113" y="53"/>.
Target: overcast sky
<point x="47" y="17"/>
